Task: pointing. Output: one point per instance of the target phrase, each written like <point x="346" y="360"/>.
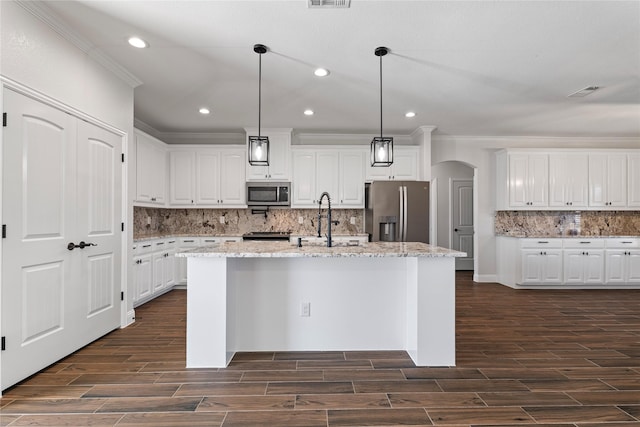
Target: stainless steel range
<point x="267" y="235"/>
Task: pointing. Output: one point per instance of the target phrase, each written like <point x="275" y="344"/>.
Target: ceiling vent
<point x="315" y="4"/>
<point x="584" y="92"/>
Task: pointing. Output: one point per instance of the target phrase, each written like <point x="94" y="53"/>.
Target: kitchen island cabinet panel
<point x="376" y="296"/>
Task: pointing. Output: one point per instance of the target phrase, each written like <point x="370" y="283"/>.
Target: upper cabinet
<point x="523" y="180"/>
<point x="339" y="172"/>
<point x="567" y="179"/>
<point x="151" y="170"/>
<point x="211" y="177"/>
<point x="279" y="168"/>
<point x="608" y="180"/>
<point x="634" y="180"/>
<point x="404" y="167"/>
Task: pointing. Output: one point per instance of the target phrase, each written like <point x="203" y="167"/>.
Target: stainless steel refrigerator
<point x="397" y="211"/>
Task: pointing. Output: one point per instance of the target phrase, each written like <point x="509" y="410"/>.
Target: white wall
<point x="39" y="60"/>
<point x="479" y="152"/>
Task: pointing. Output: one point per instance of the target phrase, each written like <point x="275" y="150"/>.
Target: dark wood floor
<point x="523" y="357"/>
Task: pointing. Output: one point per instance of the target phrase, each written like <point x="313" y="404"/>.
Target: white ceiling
<point x="470" y="68"/>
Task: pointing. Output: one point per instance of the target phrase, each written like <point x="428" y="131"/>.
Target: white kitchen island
<point x="275" y="296"/>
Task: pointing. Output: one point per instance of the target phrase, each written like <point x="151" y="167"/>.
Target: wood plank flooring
<point x="539" y="357"/>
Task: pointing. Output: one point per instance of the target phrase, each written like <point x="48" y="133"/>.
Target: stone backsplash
<point x="567" y="223"/>
<point x="152" y="222"/>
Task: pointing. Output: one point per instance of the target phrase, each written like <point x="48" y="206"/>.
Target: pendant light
<point x="259" y="145"/>
<point x="381" y="147"/>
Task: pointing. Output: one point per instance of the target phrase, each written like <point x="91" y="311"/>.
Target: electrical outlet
<point x="300" y="220"/>
<point x="148" y="220"/>
<point x="222" y="219"/>
<point x="353" y="220"/>
<point x="305" y="309"/>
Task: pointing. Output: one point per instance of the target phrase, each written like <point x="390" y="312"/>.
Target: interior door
<point x="61" y="185"/>
<point x="462" y="222"/>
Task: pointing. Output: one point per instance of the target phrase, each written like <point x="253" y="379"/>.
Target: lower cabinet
<point x="541" y="266"/>
<point x="187" y="243"/>
<point x="569" y="262"/>
<point x="153" y="269"/>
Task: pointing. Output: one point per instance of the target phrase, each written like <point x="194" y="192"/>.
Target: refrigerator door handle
<point x="401" y="216"/>
<point x="406" y="209"/>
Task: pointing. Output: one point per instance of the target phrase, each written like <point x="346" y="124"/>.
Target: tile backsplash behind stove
<point x="150" y="222"/>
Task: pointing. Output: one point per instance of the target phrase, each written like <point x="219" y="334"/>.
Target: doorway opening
<point x="455" y="227"/>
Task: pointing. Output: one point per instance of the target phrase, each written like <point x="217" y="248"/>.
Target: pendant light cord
<point x="380" y="96"/>
<point x="260" y="90"/>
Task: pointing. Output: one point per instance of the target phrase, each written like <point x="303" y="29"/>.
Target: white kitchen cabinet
<point x="313" y="173"/>
<point x="182" y="177"/>
<point x="338" y="172"/>
<point x="634" y="180"/>
<point x="528" y="175"/>
<point x="151" y="170"/>
<point x="279" y="168"/>
<point x="541" y="266"/>
<point x="608" y="180"/>
<point x="584" y="266"/>
<point x="142" y="271"/>
<point x="569" y="180"/>
<point x="188" y="243"/>
<point x="404" y="167"/>
<point x="208" y="177"/>
<point x="351" y="180"/>
<point x="622" y="260"/>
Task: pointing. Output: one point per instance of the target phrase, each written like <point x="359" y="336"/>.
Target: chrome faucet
<point x="329" y="222"/>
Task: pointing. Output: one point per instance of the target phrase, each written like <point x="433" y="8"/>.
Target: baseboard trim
<point x="485" y="278"/>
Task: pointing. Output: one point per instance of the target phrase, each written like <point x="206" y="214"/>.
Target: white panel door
<point x="462" y="222"/>
<point x="99" y="207"/>
<point x="62" y="185"/>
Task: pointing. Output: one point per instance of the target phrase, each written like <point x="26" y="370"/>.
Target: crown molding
<point x="41" y="11"/>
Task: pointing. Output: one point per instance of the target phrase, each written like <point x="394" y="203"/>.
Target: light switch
<point x="148" y="220"/>
<point x="300" y="220"/>
<point x="353" y="220"/>
<point x="221" y="219"/>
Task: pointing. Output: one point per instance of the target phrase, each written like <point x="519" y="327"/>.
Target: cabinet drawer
<point x="189" y="242"/>
<point x="143" y="247"/>
<point x="622" y="243"/>
<point x="541" y="243"/>
<point x="584" y="243"/>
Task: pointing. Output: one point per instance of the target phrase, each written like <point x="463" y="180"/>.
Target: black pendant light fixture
<point x="381" y="147"/>
<point x="259" y="145"/>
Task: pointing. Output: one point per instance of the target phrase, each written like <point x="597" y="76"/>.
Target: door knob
<point x="455" y="229"/>
<point x="71" y="246"/>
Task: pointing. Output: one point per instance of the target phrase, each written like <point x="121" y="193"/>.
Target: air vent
<point x="584" y="92"/>
<point x="313" y="4"/>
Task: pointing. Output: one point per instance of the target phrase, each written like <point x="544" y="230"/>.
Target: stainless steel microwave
<point x="269" y="193"/>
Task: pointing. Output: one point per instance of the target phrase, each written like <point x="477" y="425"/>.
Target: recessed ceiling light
<point x="308" y="112"/>
<point x="137" y="42"/>
<point x="204" y="110"/>
<point x="409" y="114"/>
<point x="321" y="72"/>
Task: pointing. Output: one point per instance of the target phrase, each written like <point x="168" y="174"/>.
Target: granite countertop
<point x="540" y="236"/>
<point x="254" y="249"/>
<point x="169" y="236"/>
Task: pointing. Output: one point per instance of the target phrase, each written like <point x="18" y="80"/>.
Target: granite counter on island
<point x="275" y="296"/>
